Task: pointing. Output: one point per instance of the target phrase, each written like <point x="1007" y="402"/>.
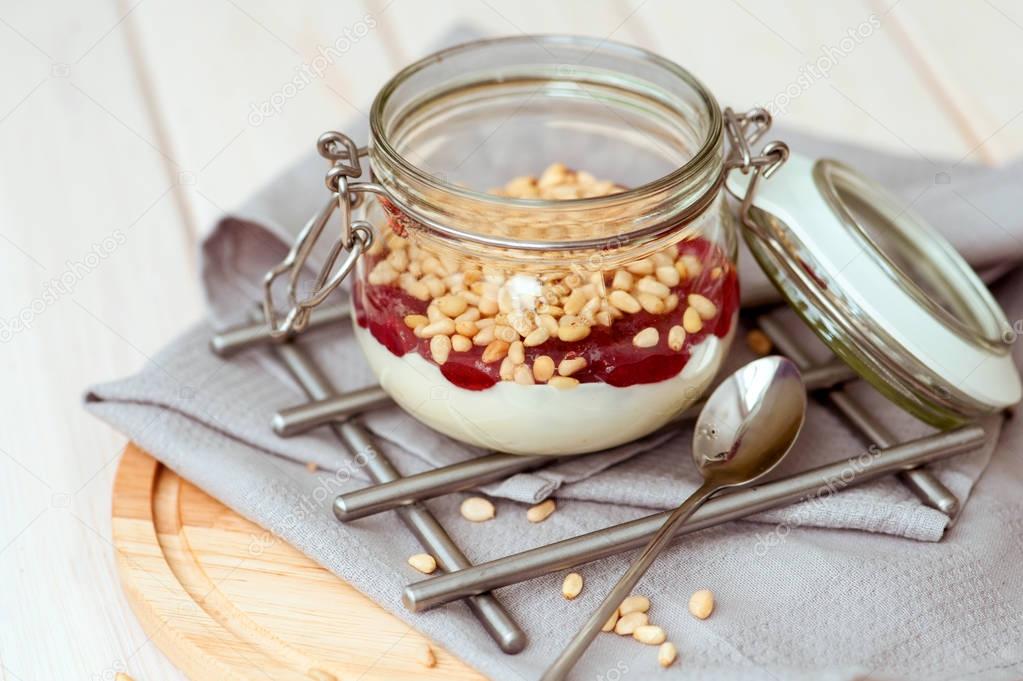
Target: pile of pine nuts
<point x="481" y="306"/>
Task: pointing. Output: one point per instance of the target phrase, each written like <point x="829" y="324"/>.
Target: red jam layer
<point x="610" y="355"/>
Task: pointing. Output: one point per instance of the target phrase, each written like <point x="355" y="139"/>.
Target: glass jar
<point x="553" y="262"/>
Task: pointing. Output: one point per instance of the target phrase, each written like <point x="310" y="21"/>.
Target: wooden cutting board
<point x="227" y="602"/>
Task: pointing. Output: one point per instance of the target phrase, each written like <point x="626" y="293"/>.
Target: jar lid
<point x="883" y="290"/>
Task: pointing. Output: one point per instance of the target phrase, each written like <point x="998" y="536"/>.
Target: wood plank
<point x="97" y="278"/>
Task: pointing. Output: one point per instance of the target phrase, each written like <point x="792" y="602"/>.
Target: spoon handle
<point x="578" y="645"/>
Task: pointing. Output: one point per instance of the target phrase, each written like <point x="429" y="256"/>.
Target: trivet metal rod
<point x="920" y="481"/>
<point x="617" y="539"/>
<point x="288" y="422"/>
<point x="482" y="470"/>
<point x="232" y="341"/>
<point x="487" y="609"/>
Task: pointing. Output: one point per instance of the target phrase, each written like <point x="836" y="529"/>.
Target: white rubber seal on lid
<point x="967" y="355"/>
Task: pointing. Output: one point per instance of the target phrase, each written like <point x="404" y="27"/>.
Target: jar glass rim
<point x="699" y="159"/>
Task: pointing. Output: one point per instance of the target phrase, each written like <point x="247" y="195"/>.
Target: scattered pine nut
<point x="477" y="509"/>
<point x="423" y="562"/>
<point x="666" y="654"/>
<point x="671" y="303"/>
<point x="651" y="303"/>
<point x="611" y="622"/>
<point x="442" y="327"/>
<point x="573" y="331"/>
<point x="691" y="320"/>
<point x="466" y="328"/>
<point x="650" y="634"/>
<point x="517" y="352"/>
<point x="701" y="603"/>
<point x="668" y="275"/>
<point x="460" y="343"/>
<point x="540" y="512"/>
<point x="507" y="370"/>
<point x="676" y="338"/>
<point x="759" y="342"/>
<point x="563" y="382"/>
<point x="651" y="285"/>
<point x="634" y="604"/>
<point x="572" y="585"/>
<point x="543" y="368"/>
<point x="426" y="657"/>
<point x="641" y="267"/>
<point x="627" y="623"/>
<point x="452" y="306"/>
<point x="647" y="338"/>
<point x="622" y="280"/>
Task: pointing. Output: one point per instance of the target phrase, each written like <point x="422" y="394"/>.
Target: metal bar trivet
<point x="431" y="534"/>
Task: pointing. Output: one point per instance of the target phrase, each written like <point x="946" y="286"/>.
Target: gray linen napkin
<point x="779" y="583"/>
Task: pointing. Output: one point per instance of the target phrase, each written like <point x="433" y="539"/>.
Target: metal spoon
<point x="748" y="426"/>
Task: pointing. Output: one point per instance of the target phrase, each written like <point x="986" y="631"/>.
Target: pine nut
<point x="383" y="274"/>
<point x="488" y="306"/>
<point x="423" y="562"/>
<point x="634" y="604"/>
<point x="575" y="302"/>
<point x="650" y="303"/>
<point x="540" y="512"/>
<point x="452" y="306"/>
<point x="681" y="269"/>
<point x="466" y="328"/>
<point x="506" y="333"/>
<point x="477" y="509"/>
<point x="496" y="350"/>
<point x="440" y="348"/>
<point x="517" y="352"/>
<point x="563" y="382"/>
<point x="570" y="365"/>
<point x="622" y="281"/>
<point x="671" y="302"/>
<point x="651" y="285"/>
<point x="691" y="321"/>
<point x="414" y="320"/>
<point x="444" y="327"/>
<point x="434" y="314"/>
<point x="628" y="623"/>
<point x="550" y="323"/>
<point x="666" y="654"/>
<point x="426" y="657"/>
<point x="537" y="337"/>
<point x="650" y="634"/>
<point x="624" y="301"/>
<point x="676" y="338"/>
<point x="692" y="265"/>
<point x="759" y="342"/>
<point x="435" y="285"/>
<point x="647" y="338"/>
<point x="611" y="622"/>
<point x="662" y="258"/>
<point x="555" y="174"/>
<point x="460" y="343"/>
<point x="574" y="331"/>
<point x="641" y="267"/>
<point x="485" y="336"/>
<point x="523" y="375"/>
<point x="398" y="260"/>
<point x="507" y="370"/>
<point x="704" y="306"/>
<point x="572" y="585"/>
<point x="543" y="368"/>
<point x="701" y="603"/>
<point x="668" y="275"/>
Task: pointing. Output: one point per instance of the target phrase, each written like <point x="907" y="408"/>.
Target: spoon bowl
<point x="746" y="428"/>
<point x="749" y="422"/>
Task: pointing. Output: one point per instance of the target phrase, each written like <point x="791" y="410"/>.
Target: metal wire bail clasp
<point x="355" y="238"/>
<point x="744" y="130"/>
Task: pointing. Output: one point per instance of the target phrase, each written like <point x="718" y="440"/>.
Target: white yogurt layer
<point x="541" y="419"/>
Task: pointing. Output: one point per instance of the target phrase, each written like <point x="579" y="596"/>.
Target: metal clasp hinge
<point x="744" y="130"/>
<point x="355" y="238"/>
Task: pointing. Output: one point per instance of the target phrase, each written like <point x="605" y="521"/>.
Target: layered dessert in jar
<point x="545" y="360"/>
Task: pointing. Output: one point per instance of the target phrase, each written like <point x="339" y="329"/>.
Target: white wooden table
<point x="126" y="129"/>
